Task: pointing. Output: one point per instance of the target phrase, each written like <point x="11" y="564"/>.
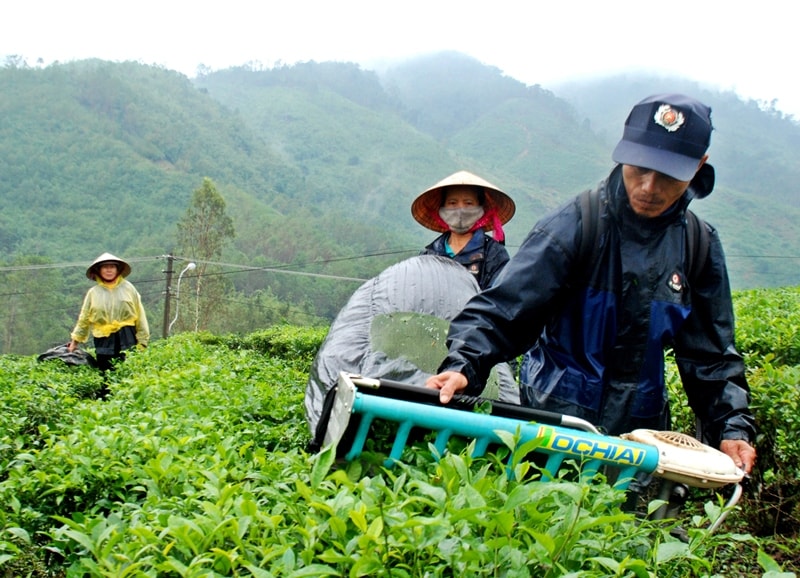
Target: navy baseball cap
<point x="668" y="133"/>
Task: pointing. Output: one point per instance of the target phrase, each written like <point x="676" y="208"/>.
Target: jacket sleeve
<point x="81" y="331"/>
<point x="142" y="327"/>
<point x="505" y="320"/>
<point x="712" y="371"/>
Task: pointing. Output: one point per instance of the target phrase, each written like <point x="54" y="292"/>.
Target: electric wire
<point x="237" y="268"/>
<point x="78" y="289"/>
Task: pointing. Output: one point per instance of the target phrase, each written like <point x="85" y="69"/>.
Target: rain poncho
<point x="394" y="327"/>
<point x="107" y="308"/>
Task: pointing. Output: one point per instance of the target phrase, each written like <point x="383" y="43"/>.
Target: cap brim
<point x="671" y="164"/>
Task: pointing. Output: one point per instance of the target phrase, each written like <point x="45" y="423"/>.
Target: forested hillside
<point x="540" y="147"/>
<point x="318" y="164"/>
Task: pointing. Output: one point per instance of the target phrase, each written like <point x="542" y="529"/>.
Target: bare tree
<point x="15" y="61"/>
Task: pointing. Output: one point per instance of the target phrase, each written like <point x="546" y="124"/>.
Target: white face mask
<point x="461" y="219"/>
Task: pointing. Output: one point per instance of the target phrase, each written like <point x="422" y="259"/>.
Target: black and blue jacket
<point x="483" y="256"/>
<point x="594" y="334"/>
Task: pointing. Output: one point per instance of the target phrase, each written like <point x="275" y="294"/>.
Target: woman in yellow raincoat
<point x="112" y="311"/>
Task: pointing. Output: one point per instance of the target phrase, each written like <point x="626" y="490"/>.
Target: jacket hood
<point x="703" y="182"/>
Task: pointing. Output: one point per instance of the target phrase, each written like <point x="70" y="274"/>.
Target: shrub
<point x="768" y="334"/>
<point x="775" y="505"/>
<point x="194" y="466"/>
<point x="297" y="344"/>
<point x="768" y="324"/>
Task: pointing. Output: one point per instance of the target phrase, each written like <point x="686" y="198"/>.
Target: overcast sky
<point x="749" y="48"/>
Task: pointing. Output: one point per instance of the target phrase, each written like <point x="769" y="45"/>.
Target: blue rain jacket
<point x="594" y="339"/>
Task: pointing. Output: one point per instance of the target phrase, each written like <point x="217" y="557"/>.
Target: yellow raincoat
<point x="107" y="308"/>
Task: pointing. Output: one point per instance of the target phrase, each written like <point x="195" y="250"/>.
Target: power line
<point x="275" y="268"/>
<point x="284" y="268"/>
<point x="82" y="264"/>
<point x="250" y="268"/>
<point x="153" y="295"/>
<point x="272" y="268"/>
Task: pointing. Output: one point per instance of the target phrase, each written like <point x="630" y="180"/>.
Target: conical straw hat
<point x="425" y="208"/>
<point x="125" y="269"/>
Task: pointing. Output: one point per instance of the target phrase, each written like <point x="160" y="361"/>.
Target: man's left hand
<point x="741" y="452"/>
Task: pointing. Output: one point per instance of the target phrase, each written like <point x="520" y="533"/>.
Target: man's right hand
<point x="448" y="383"/>
<point x="741" y="452"/>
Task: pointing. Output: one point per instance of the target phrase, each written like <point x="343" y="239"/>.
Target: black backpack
<point x="593" y="228"/>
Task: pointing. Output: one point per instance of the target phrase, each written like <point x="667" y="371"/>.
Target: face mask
<point x="460" y="220"/>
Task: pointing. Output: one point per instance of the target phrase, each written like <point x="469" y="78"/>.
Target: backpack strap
<point x="697" y="239"/>
<point x="588" y="221"/>
<point x="592" y="227"/>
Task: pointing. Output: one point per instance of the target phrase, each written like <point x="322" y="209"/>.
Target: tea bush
<point x="195" y="466"/>
<point x="768" y="335"/>
<point x="768" y="325"/>
<point x="299" y="344"/>
<point x="775" y="506"/>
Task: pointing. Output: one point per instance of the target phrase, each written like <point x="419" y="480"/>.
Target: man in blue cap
<point x="594" y="330"/>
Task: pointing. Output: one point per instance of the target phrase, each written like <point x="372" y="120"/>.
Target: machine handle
<point x="421" y="394"/>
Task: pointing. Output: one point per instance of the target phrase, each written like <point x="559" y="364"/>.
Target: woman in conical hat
<point x="464" y="208"/>
<point x="112" y="312"/>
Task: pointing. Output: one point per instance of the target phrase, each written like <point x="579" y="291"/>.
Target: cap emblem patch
<point x="668" y="117"/>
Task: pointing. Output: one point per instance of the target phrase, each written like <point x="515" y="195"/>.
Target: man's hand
<point x="741" y="452"/>
<point x="448" y="383"/>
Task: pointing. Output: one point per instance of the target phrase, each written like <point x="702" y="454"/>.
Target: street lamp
<point x="188" y="267"/>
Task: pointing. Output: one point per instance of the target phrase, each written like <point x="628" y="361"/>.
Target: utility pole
<point x="167" y="294"/>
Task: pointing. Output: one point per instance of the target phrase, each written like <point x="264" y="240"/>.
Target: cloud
<point x="713" y="41"/>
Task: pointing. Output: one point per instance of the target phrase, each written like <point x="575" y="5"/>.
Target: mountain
<point x="108" y="154"/>
<point x="319" y="162"/>
<point x="541" y="146"/>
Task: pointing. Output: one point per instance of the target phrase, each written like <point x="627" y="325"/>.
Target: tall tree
<point x="203" y="233"/>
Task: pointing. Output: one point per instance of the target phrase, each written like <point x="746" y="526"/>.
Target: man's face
<point x="650" y="193"/>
